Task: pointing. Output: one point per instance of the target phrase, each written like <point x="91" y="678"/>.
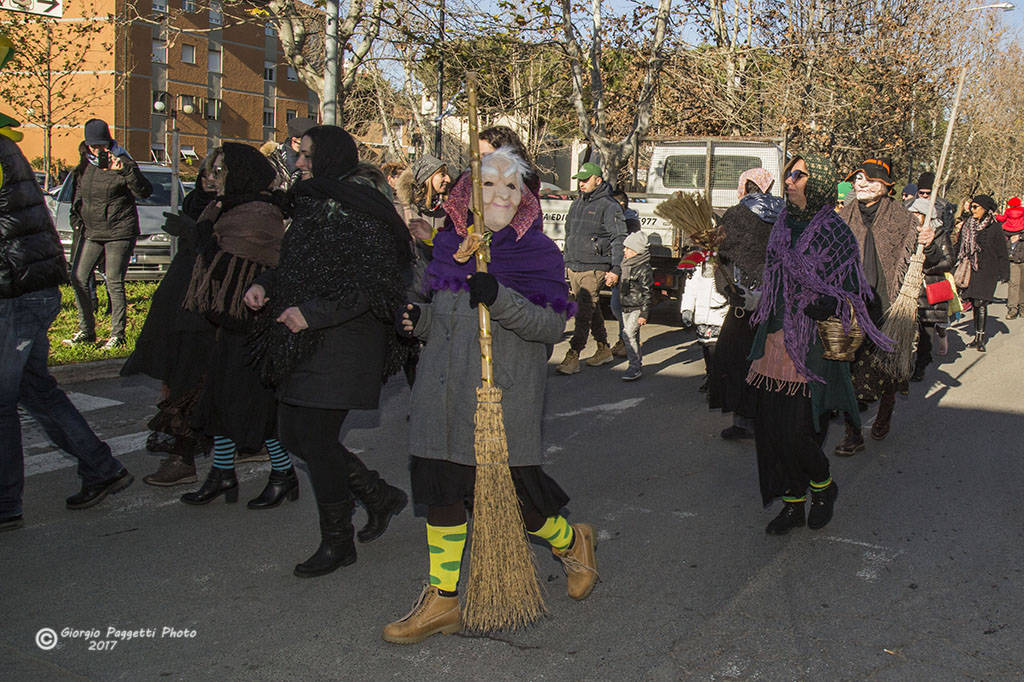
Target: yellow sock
<point x="556" y="531"/>
<point x="445" y="544"/>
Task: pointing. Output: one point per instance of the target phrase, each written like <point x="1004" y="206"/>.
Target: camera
<point x="103" y="159"/>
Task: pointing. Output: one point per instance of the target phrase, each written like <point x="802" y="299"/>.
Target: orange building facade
<point x="185" y="66"/>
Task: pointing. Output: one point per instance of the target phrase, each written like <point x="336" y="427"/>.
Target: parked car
<point x="152" y="253"/>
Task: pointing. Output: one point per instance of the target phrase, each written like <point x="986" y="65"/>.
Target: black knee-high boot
<point x="336" y="546"/>
<point x="981" y="312"/>
<point x="382" y="501"/>
<point x="977" y="324"/>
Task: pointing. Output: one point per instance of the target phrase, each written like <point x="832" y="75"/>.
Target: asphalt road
<point x="917" y="577"/>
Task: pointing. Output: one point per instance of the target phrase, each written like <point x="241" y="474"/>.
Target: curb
<point x="87" y="371"/>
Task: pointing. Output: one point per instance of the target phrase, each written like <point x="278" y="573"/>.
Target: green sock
<point x="445" y="544"/>
<point x="793" y="499"/>
<point x="556" y="531"/>
<point x="818" y="487"/>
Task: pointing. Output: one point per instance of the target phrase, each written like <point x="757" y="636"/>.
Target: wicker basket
<point x="840" y="345"/>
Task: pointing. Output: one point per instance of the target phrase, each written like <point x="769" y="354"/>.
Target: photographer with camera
<point x="106" y="183"/>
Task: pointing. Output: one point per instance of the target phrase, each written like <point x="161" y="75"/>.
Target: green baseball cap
<point x="843" y="189"/>
<point x="587" y="171"/>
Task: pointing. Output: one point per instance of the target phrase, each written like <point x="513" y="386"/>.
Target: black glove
<point x="734" y="294"/>
<point x="177" y="223"/>
<point x="483" y="288"/>
<point x="821" y="308"/>
<point x="413" y="311"/>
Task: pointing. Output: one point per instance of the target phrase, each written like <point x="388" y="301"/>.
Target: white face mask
<point x="502" y="192"/>
<point x="866" y="189"/>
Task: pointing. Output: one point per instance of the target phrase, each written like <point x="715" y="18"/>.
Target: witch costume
<point x="240" y="233"/>
<point x="528" y="299"/>
<point x="812" y="271"/>
<point x="342" y="265"/>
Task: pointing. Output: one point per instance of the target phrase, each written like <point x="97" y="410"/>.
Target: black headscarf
<point x="335" y="157"/>
<point x="249" y="177"/>
<point x="197" y="200"/>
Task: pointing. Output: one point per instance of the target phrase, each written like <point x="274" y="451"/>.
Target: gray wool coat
<point x="448" y="374"/>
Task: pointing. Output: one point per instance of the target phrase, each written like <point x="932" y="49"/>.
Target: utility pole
<point x="330" y="92"/>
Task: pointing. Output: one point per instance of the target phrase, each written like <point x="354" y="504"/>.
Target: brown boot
<point x="852" y="442"/>
<point x="580" y="561"/>
<point x="619" y="349"/>
<point x="601" y="356"/>
<point x="571" y="363"/>
<point x="174" y="470"/>
<point x="880" y="429"/>
<point x="431" y="614"/>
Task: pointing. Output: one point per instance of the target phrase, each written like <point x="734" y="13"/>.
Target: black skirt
<point x="728" y="389"/>
<point x="789" y="454"/>
<point x="440" y="483"/>
<point x="234" y="403"/>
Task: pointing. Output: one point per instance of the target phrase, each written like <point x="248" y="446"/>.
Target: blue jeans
<point x="25" y="380"/>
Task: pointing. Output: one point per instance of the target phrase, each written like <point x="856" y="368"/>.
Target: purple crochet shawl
<point x="531" y="264"/>
<point x="824" y="261"/>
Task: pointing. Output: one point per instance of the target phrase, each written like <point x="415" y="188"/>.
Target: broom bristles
<point x="503" y="592"/>
<point x="900" y="323"/>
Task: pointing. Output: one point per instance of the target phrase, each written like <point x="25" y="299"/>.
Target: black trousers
<point x="789" y="454"/>
<point x="117" y="254"/>
<point x="311" y="433"/>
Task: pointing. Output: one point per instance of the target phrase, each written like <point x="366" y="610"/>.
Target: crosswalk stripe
<point x="58" y="459"/>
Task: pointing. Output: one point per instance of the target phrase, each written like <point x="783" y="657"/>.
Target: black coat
<point x="635" y="292"/>
<point x="103" y="201"/>
<point x="993" y="264"/>
<point x="938" y="260"/>
<point x="31" y="257"/>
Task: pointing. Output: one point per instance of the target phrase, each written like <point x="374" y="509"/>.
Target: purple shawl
<point x="824" y="261"/>
<point x="531" y="264"/>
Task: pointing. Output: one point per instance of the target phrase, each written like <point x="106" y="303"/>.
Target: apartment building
<point x="182" y="64"/>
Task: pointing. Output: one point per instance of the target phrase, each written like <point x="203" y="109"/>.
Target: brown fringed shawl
<point x="248" y="240"/>
<point x="895" y="236"/>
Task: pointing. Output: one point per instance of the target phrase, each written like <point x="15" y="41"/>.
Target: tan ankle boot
<point x="571" y="363"/>
<point x="431" y="614"/>
<point x="580" y="561"/>
<point x="619" y="349"/>
<point x="602" y="356"/>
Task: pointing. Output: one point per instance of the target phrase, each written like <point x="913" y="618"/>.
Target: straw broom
<point x="691" y="215"/>
<point x="503" y="592"/>
<point x="900" y="322"/>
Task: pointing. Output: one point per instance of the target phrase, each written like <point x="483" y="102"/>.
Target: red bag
<point x="939" y="292"/>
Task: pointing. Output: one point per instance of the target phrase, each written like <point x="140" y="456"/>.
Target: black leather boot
<point x="337" y="548"/>
<point x="977" y="327"/>
<point x="382" y="501"/>
<point x="821" y="506"/>
<point x="980" y="321"/>
<point x="218" y="482"/>
<point x="281" y="484"/>
<point x="791" y="516"/>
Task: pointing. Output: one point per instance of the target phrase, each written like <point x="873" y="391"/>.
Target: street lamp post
<point x="160" y="106"/>
<point x="439" y="130"/>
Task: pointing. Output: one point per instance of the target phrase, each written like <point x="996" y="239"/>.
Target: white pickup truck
<point x="710" y="166"/>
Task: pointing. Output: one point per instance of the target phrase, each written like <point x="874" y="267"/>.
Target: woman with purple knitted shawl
<point x="812" y="271"/>
<point x="526" y="294"/>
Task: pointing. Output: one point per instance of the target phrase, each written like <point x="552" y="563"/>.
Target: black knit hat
<point x="878" y="170"/>
<point x="986" y="202"/>
<point x="925" y="181"/>
<point x="97" y="133"/>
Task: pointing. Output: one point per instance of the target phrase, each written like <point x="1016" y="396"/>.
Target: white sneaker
<point x="114" y="343"/>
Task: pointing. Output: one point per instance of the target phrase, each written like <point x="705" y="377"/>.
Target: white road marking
<point x="83" y="402"/>
<point x="610" y="408"/>
<point x="876" y="557"/>
<point x="58" y="459"/>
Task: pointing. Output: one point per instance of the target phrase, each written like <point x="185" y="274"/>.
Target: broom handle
<point x="945" y="148"/>
<point x="486" y="359"/>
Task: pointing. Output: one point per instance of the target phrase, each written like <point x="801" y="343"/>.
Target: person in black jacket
<point x="324" y="336"/>
<point x="984" y="255"/>
<point x="32" y="268"/>
<point x="106" y="183"/>
<point x="635" y="299"/>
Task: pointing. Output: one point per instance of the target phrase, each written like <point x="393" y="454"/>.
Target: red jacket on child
<point x="1013" y="219"/>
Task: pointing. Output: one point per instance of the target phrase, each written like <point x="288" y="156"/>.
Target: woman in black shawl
<point x="983" y="246"/>
<point x="325" y="336"/>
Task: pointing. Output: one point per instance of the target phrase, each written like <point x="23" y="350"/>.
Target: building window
<point x="160" y="6"/>
<point x="289" y="114"/>
<point x="268" y="118"/>
<point x="188" y="6"/>
<point x="270" y="72"/>
<point x="159" y="52"/>
<point x="292" y="76"/>
<point x="188" y="53"/>
<point x="212" y="112"/>
<point x="188" y="153"/>
<point x="269" y="30"/>
<point x="157" y="153"/>
<point x="216" y="14"/>
<point x="213" y="61"/>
